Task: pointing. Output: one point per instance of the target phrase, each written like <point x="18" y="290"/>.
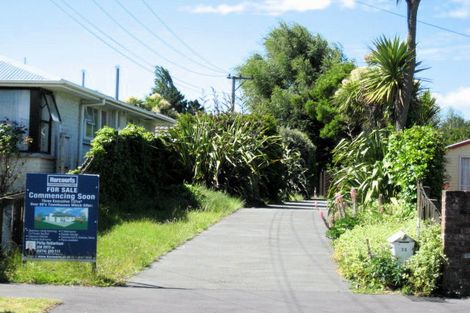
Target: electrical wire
<point x="147" y="46"/>
<point x="419" y="21"/>
<point x="147" y="69"/>
<point x="151" y="32"/>
<point x="107" y="36"/>
<point x="193" y="51"/>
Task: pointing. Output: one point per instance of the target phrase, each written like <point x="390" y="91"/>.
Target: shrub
<point x="341" y="226"/>
<point x="239" y="154"/>
<point x="131" y="163"/>
<point x="424" y="269"/>
<point x="416" y="154"/>
<point x="383" y="271"/>
<point x="358" y="163"/>
<point x="378" y="271"/>
<point x="11" y="135"/>
<point x="303" y="169"/>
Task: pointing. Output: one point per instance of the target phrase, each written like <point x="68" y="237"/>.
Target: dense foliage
<point x="389" y="164"/>
<point x="165" y="97"/>
<point x="416" y="154"/>
<point x="294" y="80"/>
<point x="11" y="136"/>
<point x="454" y="128"/>
<point x="302" y="172"/>
<point x="240" y="154"/>
<point x="131" y="163"/>
<point x="374" y="268"/>
<point x="370" y="97"/>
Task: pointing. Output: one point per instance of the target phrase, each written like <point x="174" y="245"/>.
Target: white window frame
<point x="94" y="122"/>
<point x="461" y="186"/>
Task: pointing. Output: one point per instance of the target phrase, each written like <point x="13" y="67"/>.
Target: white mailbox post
<point x="402" y="246"/>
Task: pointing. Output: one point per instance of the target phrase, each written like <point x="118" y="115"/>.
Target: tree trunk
<point x="403" y="105"/>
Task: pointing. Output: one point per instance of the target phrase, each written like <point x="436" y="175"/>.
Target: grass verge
<point x="26" y="305"/>
<point x="130" y="240"/>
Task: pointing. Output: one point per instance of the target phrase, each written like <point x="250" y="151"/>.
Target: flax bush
<point x="239" y="154"/>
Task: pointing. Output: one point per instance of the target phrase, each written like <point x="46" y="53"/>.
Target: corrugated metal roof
<point x="12" y="70"/>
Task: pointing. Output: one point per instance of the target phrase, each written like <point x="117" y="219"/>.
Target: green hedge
<point x="416" y="154"/>
<point x="132" y="163"/>
<point x="296" y="140"/>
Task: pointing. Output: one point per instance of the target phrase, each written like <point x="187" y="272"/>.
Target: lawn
<point x="26" y="305"/>
<point x="130" y="241"/>
<point x="73" y="226"/>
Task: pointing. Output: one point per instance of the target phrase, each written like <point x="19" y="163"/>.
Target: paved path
<point x="273" y="259"/>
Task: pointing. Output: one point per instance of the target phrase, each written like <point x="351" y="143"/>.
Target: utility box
<point x="402" y="246"/>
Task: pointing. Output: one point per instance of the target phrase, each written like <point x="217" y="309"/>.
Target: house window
<point x="465" y="173"/>
<point x="91" y="122"/>
<point x="34" y="109"/>
<point x="104" y="119"/>
<point x="48" y="113"/>
<point x="14" y="106"/>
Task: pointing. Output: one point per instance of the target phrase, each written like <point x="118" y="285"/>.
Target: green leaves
<point x="242" y="155"/>
<point x="386" y="163"/>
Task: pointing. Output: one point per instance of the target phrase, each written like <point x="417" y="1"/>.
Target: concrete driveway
<point x="273" y="259"/>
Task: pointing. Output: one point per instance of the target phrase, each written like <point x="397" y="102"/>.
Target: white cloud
<point x="271" y="7"/>
<point x="459" y="100"/>
<point x="277" y="7"/>
<point x="220" y="9"/>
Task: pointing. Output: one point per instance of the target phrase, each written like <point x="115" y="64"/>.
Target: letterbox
<point x="402" y="246"/>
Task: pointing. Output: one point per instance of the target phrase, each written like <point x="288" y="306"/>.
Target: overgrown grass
<point x="26" y="305"/>
<point x="132" y="239"/>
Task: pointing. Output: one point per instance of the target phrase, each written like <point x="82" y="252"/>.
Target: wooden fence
<point x="427" y="209"/>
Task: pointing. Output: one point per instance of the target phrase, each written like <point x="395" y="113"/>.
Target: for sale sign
<point x="61" y="217"/>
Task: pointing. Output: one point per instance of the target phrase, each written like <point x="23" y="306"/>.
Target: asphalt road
<point x="274" y="259"/>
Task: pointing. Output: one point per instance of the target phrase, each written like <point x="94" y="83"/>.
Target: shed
<point x="458" y="166"/>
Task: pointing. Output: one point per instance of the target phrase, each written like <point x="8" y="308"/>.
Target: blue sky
<point x="224" y="33"/>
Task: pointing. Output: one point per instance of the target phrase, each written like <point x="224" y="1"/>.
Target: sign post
<point x="61" y="217"/>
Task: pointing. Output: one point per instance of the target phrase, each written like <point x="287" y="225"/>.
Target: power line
<point x="150" y="31"/>
<point x="111" y="17"/>
<point x="168" y="28"/>
<point x="188" y="85"/>
<point x="419" y="21"/>
<point x="106" y="35"/>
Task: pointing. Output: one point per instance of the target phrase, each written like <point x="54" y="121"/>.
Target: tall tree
<point x="165" y="87"/>
<point x="285" y="78"/>
<point x="175" y="102"/>
<point x="403" y="105"/>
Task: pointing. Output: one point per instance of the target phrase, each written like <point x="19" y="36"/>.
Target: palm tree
<point x="385" y="82"/>
<point x="402" y="109"/>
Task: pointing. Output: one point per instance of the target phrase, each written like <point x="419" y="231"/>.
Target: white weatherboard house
<point x="458" y="166"/>
<point x="60" y="218"/>
<point x="61" y="117"/>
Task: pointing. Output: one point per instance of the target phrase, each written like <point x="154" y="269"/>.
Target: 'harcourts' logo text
<point x="62" y="180"/>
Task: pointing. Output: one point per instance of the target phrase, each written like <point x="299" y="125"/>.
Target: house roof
<point x="12" y="70"/>
<point x="399" y="236"/>
<point x="60" y="214"/>
<point x="14" y="74"/>
<point x="459" y="144"/>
